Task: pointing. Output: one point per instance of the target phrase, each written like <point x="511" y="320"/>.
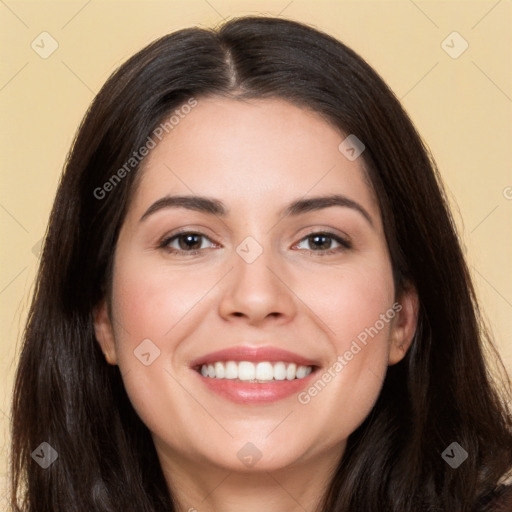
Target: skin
<point x="256" y="157"/>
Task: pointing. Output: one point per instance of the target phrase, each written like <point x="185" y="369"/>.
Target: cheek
<point x="348" y="300"/>
<point x="151" y="302"/>
<point x="154" y="309"/>
<point x="356" y="309"/>
<point x="150" y="307"/>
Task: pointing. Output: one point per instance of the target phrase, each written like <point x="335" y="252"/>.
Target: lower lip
<point x="254" y="393"/>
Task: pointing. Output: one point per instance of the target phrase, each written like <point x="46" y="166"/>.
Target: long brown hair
<point x="441" y="392"/>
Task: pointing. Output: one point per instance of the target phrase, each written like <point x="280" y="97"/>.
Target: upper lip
<point x="254" y="354"/>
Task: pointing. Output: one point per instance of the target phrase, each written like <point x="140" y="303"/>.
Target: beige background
<point x="461" y="106"/>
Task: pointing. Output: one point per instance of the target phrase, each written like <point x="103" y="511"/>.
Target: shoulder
<point x="502" y="501"/>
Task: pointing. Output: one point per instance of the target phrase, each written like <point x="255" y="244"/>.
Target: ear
<point x="104" y="332"/>
<point x="403" y="325"/>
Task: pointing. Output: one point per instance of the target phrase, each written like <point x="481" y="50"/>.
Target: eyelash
<point x="344" y="244"/>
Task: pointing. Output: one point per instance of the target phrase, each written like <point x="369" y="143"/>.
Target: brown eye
<point x="186" y="242"/>
<point x="322" y="243"/>
<point x="189" y="241"/>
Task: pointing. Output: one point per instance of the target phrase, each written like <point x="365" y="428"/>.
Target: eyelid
<point x="344" y="242"/>
<point x="328" y="231"/>
<point x="164" y="241"/>
<point x="193" y="229"/>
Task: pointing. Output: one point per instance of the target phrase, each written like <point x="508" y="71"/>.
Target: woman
<point x="252" y="296"/>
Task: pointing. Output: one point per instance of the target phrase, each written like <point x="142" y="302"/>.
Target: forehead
<point x="252" y="153"/>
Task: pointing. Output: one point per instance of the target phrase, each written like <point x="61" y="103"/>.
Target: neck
<point x="200" y="487"/>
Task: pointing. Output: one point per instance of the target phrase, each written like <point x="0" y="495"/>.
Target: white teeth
<point x="291" y="371"/>
<point x="248" y="371"/>
<point x="301" y="372"/>
<point x="219" y="370"/>
<point x="279" y="371"/>
<point x="264" y="371"/>
<point x="231" y="370"/>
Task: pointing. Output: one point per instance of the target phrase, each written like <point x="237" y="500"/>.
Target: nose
<point x="257" y="292"/>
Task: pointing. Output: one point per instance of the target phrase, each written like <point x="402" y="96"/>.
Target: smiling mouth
<point x="254" y="375"/>
<point x="254" y="372"/>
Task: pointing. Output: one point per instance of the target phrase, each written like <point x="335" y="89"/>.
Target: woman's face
<point x="281" y="263"/>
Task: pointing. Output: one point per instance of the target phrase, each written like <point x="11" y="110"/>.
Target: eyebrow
<point x="215" y="207"/>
